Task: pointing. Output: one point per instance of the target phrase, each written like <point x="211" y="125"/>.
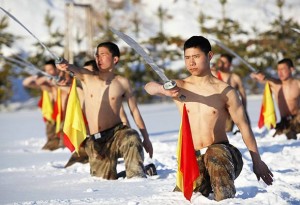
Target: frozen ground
<point x="29" y="175"/>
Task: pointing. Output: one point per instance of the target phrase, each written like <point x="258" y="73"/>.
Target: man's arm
<point x="78" y="72"/>
<point x="241" y="90"/>
<point x="154" y="88"/>
<point x="263" y="78"/>
<point x="137" y="117"/>
<point x="238" y="115"/>
<point x="30" y="82"/>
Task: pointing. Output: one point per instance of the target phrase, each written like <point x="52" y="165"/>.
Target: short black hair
<point x="91" y="63"/>
<point x="112" y="47"/>
<point x="227" y="56"/>
<point x="50" y="62"/>
<point x="198" y="42"/>
<point x="286" y="61"/>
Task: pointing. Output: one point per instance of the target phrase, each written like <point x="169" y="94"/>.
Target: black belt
<point x="106" y="133"/>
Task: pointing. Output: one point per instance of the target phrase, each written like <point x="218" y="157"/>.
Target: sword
<point x="168" y="84"/>
<point x="57" y="59"/>
<point x="297" y="30"/>
<point x="29" y="68"/>
<point x="233" y="53"/>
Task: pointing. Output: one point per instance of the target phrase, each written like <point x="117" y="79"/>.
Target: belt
<point x="103" y="134"/>
<point x="200" y="152"/>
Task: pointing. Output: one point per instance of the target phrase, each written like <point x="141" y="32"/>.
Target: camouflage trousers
<point x="219" y="167"/>
<point x="290" y="126"/>
<point x="53" y="141"/>
<point x="119" y="141"/>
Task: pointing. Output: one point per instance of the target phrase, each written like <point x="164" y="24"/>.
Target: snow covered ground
<point x="29" y="175"/>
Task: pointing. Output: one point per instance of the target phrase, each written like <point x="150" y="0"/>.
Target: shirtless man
<point x="223" y="73"/>
<point x="82" y="156"/>
<point x="287" y="95"/>
<point x="46" y="85"/>
<point x="91" y="65"/>
<point x="103" y="98"/>
<point x="209" y="102"/>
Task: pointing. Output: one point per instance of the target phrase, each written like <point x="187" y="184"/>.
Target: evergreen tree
<point x="280" y="41"/>
<point x="6" y="39"/>
<point x="55" y="40"/>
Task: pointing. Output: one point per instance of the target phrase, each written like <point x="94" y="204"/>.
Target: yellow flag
<point x="267" y="113"/>
<point x="74" y="126"/>
<point x="47" y="106"/>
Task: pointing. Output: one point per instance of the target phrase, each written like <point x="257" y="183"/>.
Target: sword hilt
<point x="168" y="85"/>
<point x="59" y="60"/>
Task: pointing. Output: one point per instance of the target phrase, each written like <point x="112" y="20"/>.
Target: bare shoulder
<point x="236" y="77"/>
<point x="121" y="79"/>
<point x="180" y="82"/>
<point x="298" y="82"/>
<point x="225" y="90"/>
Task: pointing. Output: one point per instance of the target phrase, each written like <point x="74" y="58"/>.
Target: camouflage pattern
<point x="81" y="157"/>
<point x="53" y="141"/>
<point x="219" y="167"/>
<point x="120" y="141"/>
<point x="290" y="126"/>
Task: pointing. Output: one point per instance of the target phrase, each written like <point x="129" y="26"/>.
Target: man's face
<point x="50" y="69"/>
<point x="196" y="61"/>
<point x="226" y="64"/>
<point x="284" y="72"/>
<point x="104" y="59"/>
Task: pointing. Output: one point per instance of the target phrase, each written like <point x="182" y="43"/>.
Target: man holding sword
<point x="103" y="97"/>
<point x="209" y="102"/>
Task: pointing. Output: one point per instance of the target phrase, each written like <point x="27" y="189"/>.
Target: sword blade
<point x="28" y="67"/>
<point x="58" y="59"/>
<point x="297" y="30"/>
<point x="233" y="53"/>
<point x="133" y="44"/>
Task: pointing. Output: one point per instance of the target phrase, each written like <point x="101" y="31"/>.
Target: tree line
<point x="262" y="51"/>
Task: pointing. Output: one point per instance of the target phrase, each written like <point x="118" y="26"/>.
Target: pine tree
<point x="6" y="39"/>
<point x="280" y="41"/>
<point x="55" y="40"/>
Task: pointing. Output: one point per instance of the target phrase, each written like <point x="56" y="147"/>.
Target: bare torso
<point x="287" y="95"/>
<point x="103" y="100"/>
<point x="207" y="118"/>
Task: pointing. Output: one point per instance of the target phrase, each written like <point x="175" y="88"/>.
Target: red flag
<point x="40" y="102"/>
<point x="188" y="170"/>
<point x="68" y="143"/>
<point x="267" y="115"/>
<point x="219" y="75"/>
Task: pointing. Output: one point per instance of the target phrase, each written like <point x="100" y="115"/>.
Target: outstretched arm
<point x="30" y="82"/>
<point x="238" y="115"/>
<point x="78" y="72"/>
<point x="154" y="88"/>
<point x="263" y="78"/>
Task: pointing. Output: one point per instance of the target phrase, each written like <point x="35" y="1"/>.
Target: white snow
<point x="29" y="175"/>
